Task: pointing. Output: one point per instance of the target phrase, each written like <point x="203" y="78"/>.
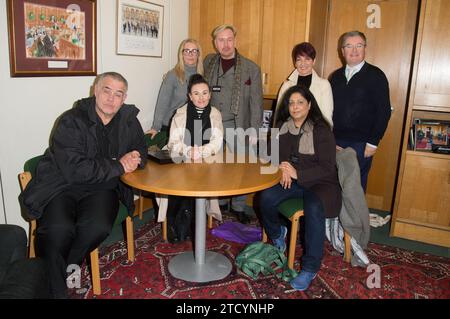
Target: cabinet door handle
<point x="264" y="78"/>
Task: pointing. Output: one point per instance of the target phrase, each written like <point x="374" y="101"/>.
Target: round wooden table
<point x="202" y="180"/>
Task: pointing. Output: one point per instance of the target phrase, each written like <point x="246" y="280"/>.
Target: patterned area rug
<point x="402" y="274"/>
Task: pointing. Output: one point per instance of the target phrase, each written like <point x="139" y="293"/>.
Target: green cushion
<point x="121" y="215"/>
<point x="31" y="164"/>
<point x="160" y="139"/>
<point x="290" y="207"/>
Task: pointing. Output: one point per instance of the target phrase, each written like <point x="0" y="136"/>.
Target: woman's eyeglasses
<point x="190" y="51"/>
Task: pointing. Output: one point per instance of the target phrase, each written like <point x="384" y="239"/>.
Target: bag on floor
<point x="180" y="212"/>
<point x="261" y="258"/>
<point x="238" y="232"/>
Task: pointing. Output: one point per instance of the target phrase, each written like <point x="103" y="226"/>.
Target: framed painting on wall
<point x="139" y="28"/>
<point x="52" y="37"/>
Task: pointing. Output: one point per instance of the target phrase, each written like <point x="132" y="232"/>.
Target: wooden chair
<point x="24" y="179"/>
<point x="292" y="209"/>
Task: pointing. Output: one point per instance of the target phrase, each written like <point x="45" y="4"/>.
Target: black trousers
<point x="20" y="277"/>
<point x="73" y="224"/>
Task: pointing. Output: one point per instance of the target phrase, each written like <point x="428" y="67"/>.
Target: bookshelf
<point x="421" y="209"/>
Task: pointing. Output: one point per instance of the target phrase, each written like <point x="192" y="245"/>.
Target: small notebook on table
<point x="162" y="157"/>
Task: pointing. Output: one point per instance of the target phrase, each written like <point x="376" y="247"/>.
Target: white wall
<point x="29" y="106"/>
<point x="2" y="211"/>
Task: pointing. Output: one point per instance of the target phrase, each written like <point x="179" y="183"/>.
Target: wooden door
<point x="284" y="25"/>
<point x="267" y="31"/>
<point x="390" y="48"/>
<point x="433" y="69"/>
<point x="204" y="16"/>
<point x="246" y="16"/>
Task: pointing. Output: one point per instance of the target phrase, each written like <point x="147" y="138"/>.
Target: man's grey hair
<point x="351" y="34"/>
<point x="116" y="76"/>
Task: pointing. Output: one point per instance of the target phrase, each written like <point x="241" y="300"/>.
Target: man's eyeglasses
<point x="190" y="51"/>
<point x="115" y="94"/>
<point x="351" y="46"/>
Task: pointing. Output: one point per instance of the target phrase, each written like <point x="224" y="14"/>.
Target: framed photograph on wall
<point x="139" y="28"/>
<point x="52" y="37"/>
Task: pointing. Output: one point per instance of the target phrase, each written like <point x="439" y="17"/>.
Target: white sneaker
<point x="337" y="234"/>
<point x="359" y="252"/>
<point x="327" y="229"/>
<point x="377" y="221"/>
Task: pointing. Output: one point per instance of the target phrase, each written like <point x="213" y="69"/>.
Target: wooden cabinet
<point x="432" y="90"/>
<point x="422" y="202"/>
<point x="267" y="31"/>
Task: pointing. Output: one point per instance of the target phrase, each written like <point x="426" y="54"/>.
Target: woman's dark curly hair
<point x="314" y="114"/>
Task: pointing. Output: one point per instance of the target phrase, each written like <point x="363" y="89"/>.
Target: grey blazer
<point x="250" y="106"/>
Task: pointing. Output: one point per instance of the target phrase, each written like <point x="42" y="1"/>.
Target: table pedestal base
<point x="183" y="267"/>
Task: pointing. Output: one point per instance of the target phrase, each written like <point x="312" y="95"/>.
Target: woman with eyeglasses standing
<point x="173" y="90"/>
<point x="304" y="57"/>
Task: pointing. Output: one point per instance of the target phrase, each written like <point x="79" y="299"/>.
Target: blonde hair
<point x="222" y="27"/>
<point x="179" y="68"/>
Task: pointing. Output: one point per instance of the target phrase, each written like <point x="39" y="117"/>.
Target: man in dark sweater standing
<point x="362" y="106"/>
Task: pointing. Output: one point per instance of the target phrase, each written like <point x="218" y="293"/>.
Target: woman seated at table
<point x="307" y="153"/>
<point x="196" y="132"/>
<point x="196" y="129"/>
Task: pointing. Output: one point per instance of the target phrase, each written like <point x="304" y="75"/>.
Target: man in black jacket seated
<point x="362" y="107"/>
<point x="76" y="190"/>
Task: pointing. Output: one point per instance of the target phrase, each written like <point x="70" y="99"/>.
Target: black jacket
<point x="72" y="158"/>
<point x="316" y="172"/>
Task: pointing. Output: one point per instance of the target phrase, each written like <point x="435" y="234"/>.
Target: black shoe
<point x="241" y="216"/>
<point x="172" y="235"/>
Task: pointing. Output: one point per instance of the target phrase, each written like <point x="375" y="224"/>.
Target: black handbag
<point x="180" y="211"/>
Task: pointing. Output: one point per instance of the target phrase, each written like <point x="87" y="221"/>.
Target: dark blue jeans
<point x="364" y="163"/>
<point x="314" y="220"/>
